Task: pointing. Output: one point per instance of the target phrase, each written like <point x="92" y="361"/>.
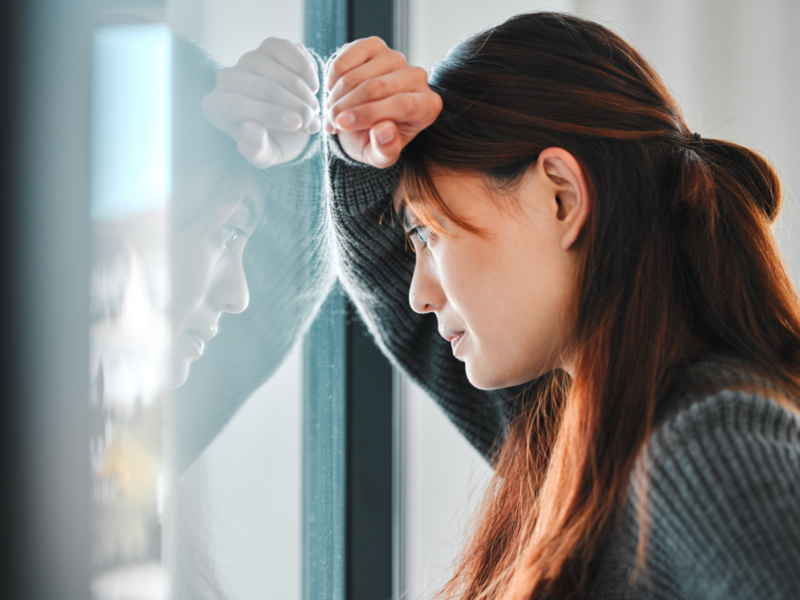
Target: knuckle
<point x="421" y="75"/>
<point x="347" y="83"/>
<point x="247" y="60"/>
<point x="270" y="43"/>
<point x="299" y="85"/>
<point x="376" y="88"/>
<point x="336" y="69"/>
<point x="408" y="103"/>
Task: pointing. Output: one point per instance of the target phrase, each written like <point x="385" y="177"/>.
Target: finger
<point x="211" y="108"/>
<point x="237" y="109"/>
<point x="293" y="56"/>
<point x="353" y="55"/>
<point x="268" y="91"/>
<point x="385" y="144"/>
<point x="379" y="66"/>
<point x="408" y="79"/>
<point x="266" y="67"/>
<point x="253" y="144"/>
<point x="409" y="108"/>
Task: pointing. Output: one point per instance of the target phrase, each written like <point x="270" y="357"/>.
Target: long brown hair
<point x="678" y="259"/>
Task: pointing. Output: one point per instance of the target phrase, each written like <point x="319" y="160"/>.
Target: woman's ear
<point x="566" y="182"/>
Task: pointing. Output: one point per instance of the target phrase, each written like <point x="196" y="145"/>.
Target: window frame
<point x="352" y="512"/>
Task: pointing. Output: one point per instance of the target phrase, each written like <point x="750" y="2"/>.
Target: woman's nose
<point x="229" y="292"/>
<point x="425" y="294"/>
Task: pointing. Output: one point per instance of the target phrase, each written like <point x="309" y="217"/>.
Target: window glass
<point x="217" y="450"/>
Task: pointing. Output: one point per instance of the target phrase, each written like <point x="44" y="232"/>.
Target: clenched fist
<point x="267" y="102"/>
<point x="378" y="102"/>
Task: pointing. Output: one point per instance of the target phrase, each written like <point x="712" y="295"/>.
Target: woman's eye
<point x="422" y="233"/>
<point x="232" y="237"/>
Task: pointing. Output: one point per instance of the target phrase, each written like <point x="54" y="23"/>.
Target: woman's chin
<point x="178" y="373"/>
<point x="485" y="378"/>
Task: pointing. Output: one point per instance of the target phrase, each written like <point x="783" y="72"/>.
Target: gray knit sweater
<point x="723" y="497"/>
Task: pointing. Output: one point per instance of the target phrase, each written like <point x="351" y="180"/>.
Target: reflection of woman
<point x="571" y="230"/>
<point x="207" y="248"/>
<point x="236" y="240"/>
<point x="217" y="204"/>
<point x="245" y="237"/>
<point x="239" y="246"/>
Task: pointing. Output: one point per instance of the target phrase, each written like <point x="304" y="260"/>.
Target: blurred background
<point x="296" y="482"/>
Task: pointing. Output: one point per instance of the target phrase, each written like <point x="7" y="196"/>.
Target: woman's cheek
<point x="193" y="264"/>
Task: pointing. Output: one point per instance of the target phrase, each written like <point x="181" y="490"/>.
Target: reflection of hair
<point x="196" y="143"/>
<point x="678" y="259"/>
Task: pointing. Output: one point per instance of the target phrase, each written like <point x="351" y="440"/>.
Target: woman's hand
<point x="377" y="102"/>
<point x="267" y="102"/>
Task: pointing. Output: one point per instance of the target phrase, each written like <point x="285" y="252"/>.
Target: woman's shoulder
<point x="723" y="489"/>
<point x="722" y="394"/>
<point x="728" y="431"/>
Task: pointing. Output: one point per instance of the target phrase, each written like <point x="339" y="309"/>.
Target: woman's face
<point x="502" y="296"/>
<point x="208" y="277"/>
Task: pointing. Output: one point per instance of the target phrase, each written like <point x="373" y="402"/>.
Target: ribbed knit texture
<point x="723" y="505"/>
<point x="723" y="467"/>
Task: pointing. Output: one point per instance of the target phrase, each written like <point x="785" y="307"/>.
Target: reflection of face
<point x="208" y="276"/>
<point x="499" y="296"/>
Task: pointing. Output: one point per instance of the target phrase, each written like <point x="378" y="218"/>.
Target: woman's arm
<point x="377" y="104"/>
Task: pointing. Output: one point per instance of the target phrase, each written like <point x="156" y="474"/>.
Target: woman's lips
<point x="198" y="343"/>
<point x="456" y="340"/>
<point x="199" y="339"/>
<point x="452" y="336"/>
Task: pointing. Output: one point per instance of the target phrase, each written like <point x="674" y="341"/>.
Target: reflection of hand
<point x="378" y="102"/>
<point x="267" y="102"/>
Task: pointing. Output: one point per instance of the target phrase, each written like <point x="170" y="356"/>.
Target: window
<point x="238" y="448"/>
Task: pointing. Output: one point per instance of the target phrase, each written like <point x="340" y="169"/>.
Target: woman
<point x="571" y="231"/>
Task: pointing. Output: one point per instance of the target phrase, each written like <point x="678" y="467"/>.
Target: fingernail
<point x="314" y="126"/>
<point x="345" y="119"/>
<point x="385" y="133"/>
<point x="292" y="120"/>
<point x="251" y="133"/>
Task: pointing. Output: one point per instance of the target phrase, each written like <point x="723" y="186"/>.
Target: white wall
<point x="733" y="65"/>
<point x="229" y="28"/>
<point x="249" y="483"/>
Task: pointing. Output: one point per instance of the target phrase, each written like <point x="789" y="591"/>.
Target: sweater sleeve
<point x="725" y="501"/>
<point x="376" y="266"/>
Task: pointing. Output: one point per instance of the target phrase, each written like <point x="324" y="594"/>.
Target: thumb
<point x="386" y="143"/>
<point x="254" y="145"/>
